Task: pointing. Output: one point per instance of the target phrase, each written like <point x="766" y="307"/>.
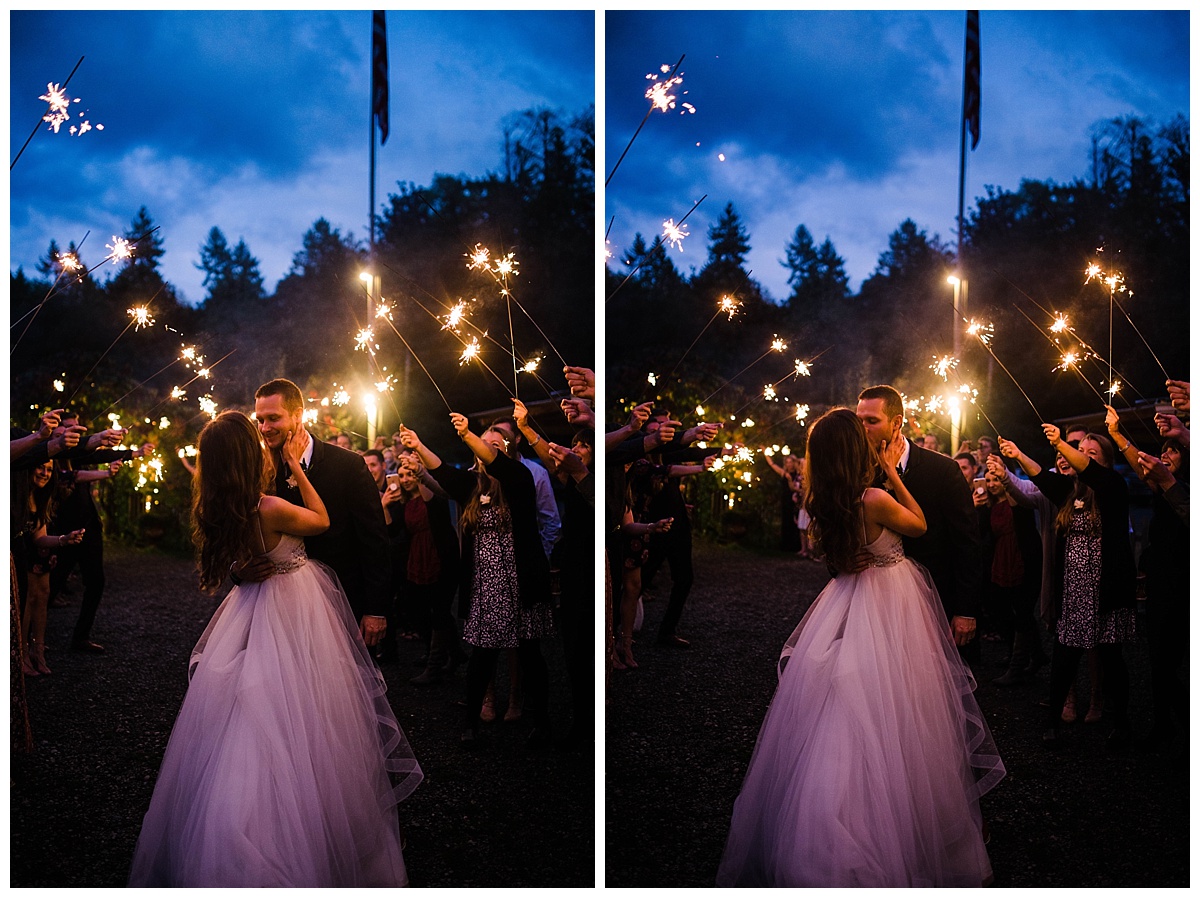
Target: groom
<point x="356" y="543"/>
<point x="949" y="548"/>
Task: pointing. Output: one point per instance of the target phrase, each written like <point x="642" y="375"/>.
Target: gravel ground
<point x="498" y="816"/>
<point x="680" y="730"/>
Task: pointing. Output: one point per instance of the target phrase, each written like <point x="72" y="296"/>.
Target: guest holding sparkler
<point x="790" y="490"/>
<point x="1015" y="570"/>
<point x="33" y="506"/>
<point x="1096" y="590"/>
<point x="78" y="512"/>
<point x="505" y="573"/>
<point x="431" y="564"/>
<point x="574" y="560"/>
<point x="676" y="549"/>
<point x="1166" y="564"/>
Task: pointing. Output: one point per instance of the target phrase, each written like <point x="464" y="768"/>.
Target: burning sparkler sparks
<point x="386" y="385"/>
<point x="365" y="340"/>
<point x="59" y="386"/>
<point x="163" y="423"/>
<point x="802" y="369"/>
<point x="729" y="305"/>
<point x="745" y="453"/>
<point x="982" y="331"/>
<point x="208" y="405"/>
<point x="119" y="250"/>
<point x="1114" y="388"/>
<point x="769" y="393"/>
<point x="531" y="366"/>
<point x="384" y="311"/>
<point x="748" y="423"/>
<point x="802" y="413"/>
<point x="777" y="344"/>
<point x="1060" y="324"/>
<point x="659" y="93"/>
<point x="1069" y="360"/>
<point x="652" y="379"/>
<point x="178" y="393"/>
<point x="943" y="366"/>
<point x="673" y="233"/>
<point x="470" y="351"/>
<point x="141" y="317"/>
<point x="340" y="397"/>
<point x="479" y="257"/>
<point x="69" y="263"/>
<point x="58" y="112"/>
<point x="455" y="316"/>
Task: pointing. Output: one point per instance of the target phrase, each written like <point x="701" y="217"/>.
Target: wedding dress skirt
<point x="277" y="769"/>
<point x="874" y="753"/>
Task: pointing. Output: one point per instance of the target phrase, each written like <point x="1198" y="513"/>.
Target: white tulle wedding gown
<point x="277" y="770"/>
<point x="873" y="754"/>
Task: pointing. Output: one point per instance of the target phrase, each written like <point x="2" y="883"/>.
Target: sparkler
<point x="659" y="99"/>
<point x="983" y="332"/>
<point x="777" y="345"/>
<point x="1143" y="339"/>
<point x="674" y="234"/>
<point x="141" y="317"/>
<point x="455" y="317"/>
<point x="365" y="340"/>
<point x="769" y="393"/>
<point x="658" y="241"/>
<point x="728" y="306"/>
<point x="37" y="126"/>
<point x="943" y="366"/>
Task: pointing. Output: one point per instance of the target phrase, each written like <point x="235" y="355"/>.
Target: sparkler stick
<point x="1143" y="339"/>
<point x="40" y="120"/>
<point x="983" y="334"/>
<point x="203" y="372"/>
<point x="422" y="364"/>
<point x="62" y="269"/>
<point x="777" y="345"/>
<point x="647" y="255"/>
<point x="645" y="118"/>
<point x="140" y="317"/>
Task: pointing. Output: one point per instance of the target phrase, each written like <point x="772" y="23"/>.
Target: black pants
<point x="675" y="548"/>
<point x="1063" y="665"/>
<point x="576" y="627"/>
<point x="1167" y="616"/>
<point x="89" y="556"/>
<point x="535" y="681"/>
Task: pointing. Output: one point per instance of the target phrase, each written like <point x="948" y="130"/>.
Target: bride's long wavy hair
<point x="840" y="467"/>
<point x="233" y="470"/>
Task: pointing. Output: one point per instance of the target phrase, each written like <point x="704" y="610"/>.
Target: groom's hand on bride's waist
<point x="257" y="569"/>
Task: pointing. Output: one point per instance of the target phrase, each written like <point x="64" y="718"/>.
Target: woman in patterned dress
<point x="506" y="576"/>
<point x="1097" y="577"/>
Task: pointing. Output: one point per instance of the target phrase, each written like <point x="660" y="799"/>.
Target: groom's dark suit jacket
<point x="950" y="546"/>
<point x="356" y="543"/>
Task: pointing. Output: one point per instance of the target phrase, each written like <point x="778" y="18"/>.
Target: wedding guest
<point x="506" y="576"/>
<point x="789" y="532"/>
<point x="77" y="511"/>
<point x="1165" y="562"/>
<point x="1097" y="588"/>
<point x="1015" y="571"/>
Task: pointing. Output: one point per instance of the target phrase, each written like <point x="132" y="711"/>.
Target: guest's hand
<point x="520" y="413"/>
<point x="567" y="461"/>
<point x="50" y="421"/>
<point x="662" y="526"/>
<point x="578" y="411"/>
<point x="409" y="439"/>
<point x="1053" y="434"/>
<point x="68" y="439"/>
<point x="147" y="449"/>
<point x="640" y="415"/>
<point x="1180" y="392"/>
<point x="114" y="466"/>
<point x="460" y="423"/>
<point x="997" y="469"/>
<point x="1008" y="448"/>
<point x="373" y="627"/>
<point x="582" y="381"/>
<point x="1170" y="426"/>
<point x="1155" y="472"/>
<point x="1111" y="420"/>
<point x="963" y="629"/>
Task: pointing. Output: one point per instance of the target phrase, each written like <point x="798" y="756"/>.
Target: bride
<point x="874" y="753"/>
<point x="277" y="769"/>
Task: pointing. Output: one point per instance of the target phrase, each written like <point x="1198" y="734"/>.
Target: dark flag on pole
<point x="971" y="77"/>
<point x="379" y="74"/>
